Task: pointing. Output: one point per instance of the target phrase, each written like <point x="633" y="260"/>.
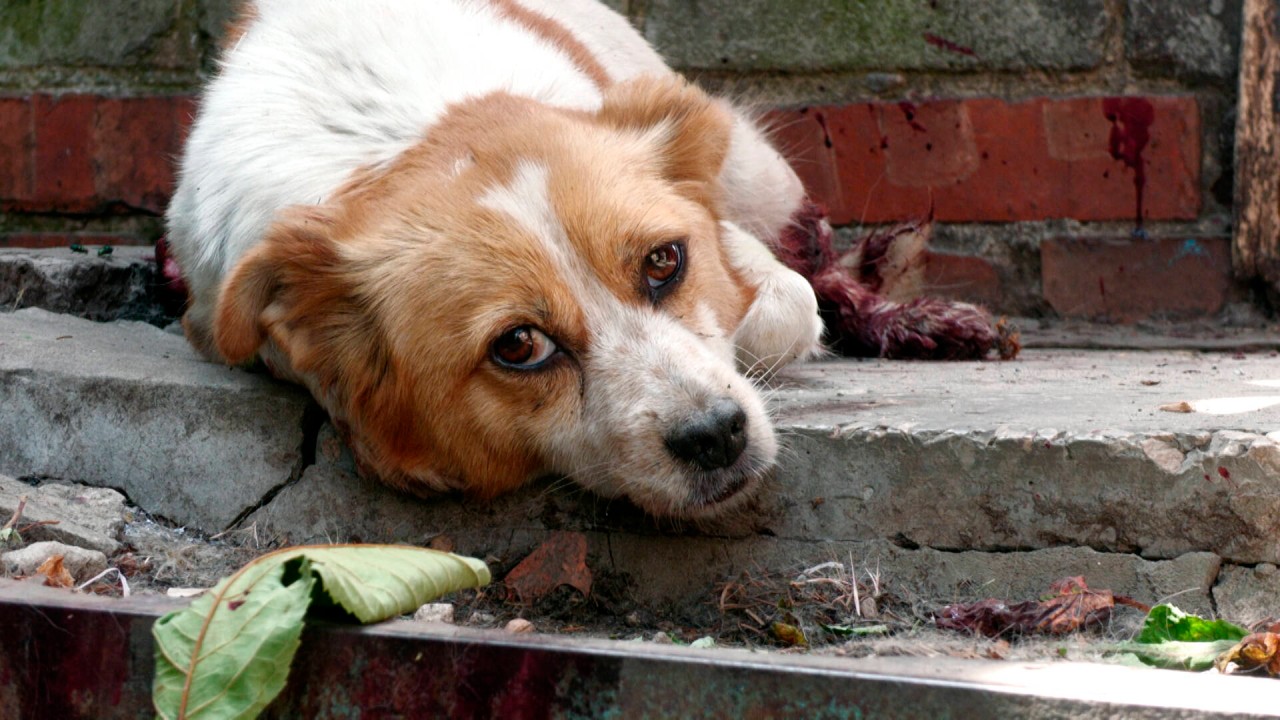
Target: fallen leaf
<point x="1260" y="650"/>
<point x="560" y="560"/>
<point x="789" y="634"/>
<point x="1171" y="638"/>
<point x="1166" y="623"/>
<point x="1150" y="383"/>
<point x="1178" y="407"/>
<point x="228" y="654"/>
<point x="55" y="574"/>
<point x="1072" y="606"/>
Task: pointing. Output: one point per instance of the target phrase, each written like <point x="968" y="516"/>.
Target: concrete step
<point x="117" y="286"/>
<point x="953" y="479"/>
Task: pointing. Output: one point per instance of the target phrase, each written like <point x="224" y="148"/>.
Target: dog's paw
<point x="781" y="326"/>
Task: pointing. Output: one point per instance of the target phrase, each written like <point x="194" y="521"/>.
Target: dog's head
<point x="528" y="291"/>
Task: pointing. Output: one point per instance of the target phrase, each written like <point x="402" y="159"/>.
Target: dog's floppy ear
<point x="284" y="279"/>
<point x="693" y="129"/>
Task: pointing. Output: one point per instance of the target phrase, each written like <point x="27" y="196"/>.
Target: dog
<point x="496" y="240"/>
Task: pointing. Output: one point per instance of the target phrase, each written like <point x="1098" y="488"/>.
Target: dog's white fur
<point x="315" y="91"/>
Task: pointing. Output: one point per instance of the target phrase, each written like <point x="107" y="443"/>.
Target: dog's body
<point x="495" y="239"/>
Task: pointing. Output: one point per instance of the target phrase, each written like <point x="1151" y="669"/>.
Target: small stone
<point x="519" y="625"/>
<point x="435" y="612"/>
<point x="82" y="564"/>
<point x="88" y="517"/>
<point x="632" y="619"/>
<point x="481" y="618"/>
<point x="703" y="643"/>
<point x="662" y="638"/>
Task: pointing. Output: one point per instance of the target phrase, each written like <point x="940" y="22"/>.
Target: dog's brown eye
<point x="663" y="265"/>
<point x="523" y="348"/>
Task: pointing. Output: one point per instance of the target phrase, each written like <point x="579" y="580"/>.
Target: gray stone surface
<point x="1248" y="595"/>
<point x="100" y="33"/>
<point x="81" y="563"/>
<point x="128" y="406"/>
<point x="117" y="287"/>
<point x="1187" y="39"/>
<point x="799" y="35"/>
<point x="1058" y="448"/>
<point x="88" y="517"/>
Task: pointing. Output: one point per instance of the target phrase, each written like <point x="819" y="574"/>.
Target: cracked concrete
<point x="128" y="406"/>
<point x="958" y="479"/>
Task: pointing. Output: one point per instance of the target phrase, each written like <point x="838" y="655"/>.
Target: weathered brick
<point x="988" y="160"/>
<point x="64" y="152"/>
<point x="136" y="141"/>
<point x="1131" y="279"/>
<point x="963" y="277"/>
<point x="17" y="141"/>
<point x="102" y="33"/>
<point x="801" y="35"/>
<point x="1187" y="39"/>
<point x="86" y="153"/>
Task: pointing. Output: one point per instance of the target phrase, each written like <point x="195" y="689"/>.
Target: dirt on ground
<point x="824" y="609"/>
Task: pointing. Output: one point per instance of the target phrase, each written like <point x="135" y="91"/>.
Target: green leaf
<point x="1167" y="623"/>
<point x="228" y="654"/>
<point x="1177" y="655"/>
<point x="376" y="582"/>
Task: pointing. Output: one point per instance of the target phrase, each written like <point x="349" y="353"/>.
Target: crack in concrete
<point x="312" y="419"/>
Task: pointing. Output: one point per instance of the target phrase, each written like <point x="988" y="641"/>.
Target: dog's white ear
<point x="692" y="128"/>
<point x="286" y="277"/>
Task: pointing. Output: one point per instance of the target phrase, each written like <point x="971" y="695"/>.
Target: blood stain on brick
<point x="909" y="110"/>
<point x="945" y="44"/>
<point x="826" y="132"/>
<point x="1131" y="120"/>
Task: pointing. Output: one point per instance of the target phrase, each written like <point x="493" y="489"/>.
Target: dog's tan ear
<point x="287" y="276"/>
<point x="693" y="128"/>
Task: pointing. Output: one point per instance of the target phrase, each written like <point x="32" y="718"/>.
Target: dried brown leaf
<point x="1256" y="651"/>
<point x="1071" y="606"/>
<point x="56" y="575"/>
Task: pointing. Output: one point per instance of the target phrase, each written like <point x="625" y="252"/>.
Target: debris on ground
<point x="1259" y="651"/>
<point x="1173" y="639"/>
<point x="832" y="600"/>
<point x="560" y="560"/>
<point x="78" y="563"/>
<point x="1070" y="607"/>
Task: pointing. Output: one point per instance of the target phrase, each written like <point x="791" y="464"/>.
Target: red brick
<point x="136" y="141"/>
<point x="963" y="277"/>
<point x="1127" y="280"/>
<point x="64" y="153"/>
<point x="56" y="240"/>
<point x="987" y="160"/>
<point x="17" y="142"/>
<point x="92" y="152"/>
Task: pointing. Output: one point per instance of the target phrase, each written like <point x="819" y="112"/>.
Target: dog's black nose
<point x="713" y="438"/>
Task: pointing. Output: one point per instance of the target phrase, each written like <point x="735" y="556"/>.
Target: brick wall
<point x="1035" y="131"/>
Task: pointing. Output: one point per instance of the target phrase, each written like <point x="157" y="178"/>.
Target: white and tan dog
<point x="496" y="239"/>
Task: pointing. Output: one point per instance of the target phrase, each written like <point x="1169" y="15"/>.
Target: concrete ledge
<point x="952" y="477"/>
<point x="129" y="406"/>
<point x="118" y="286"/>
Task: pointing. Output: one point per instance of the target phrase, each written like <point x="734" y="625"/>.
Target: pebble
<point x="435" y="612"/>
<point x="519" y="625"/>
